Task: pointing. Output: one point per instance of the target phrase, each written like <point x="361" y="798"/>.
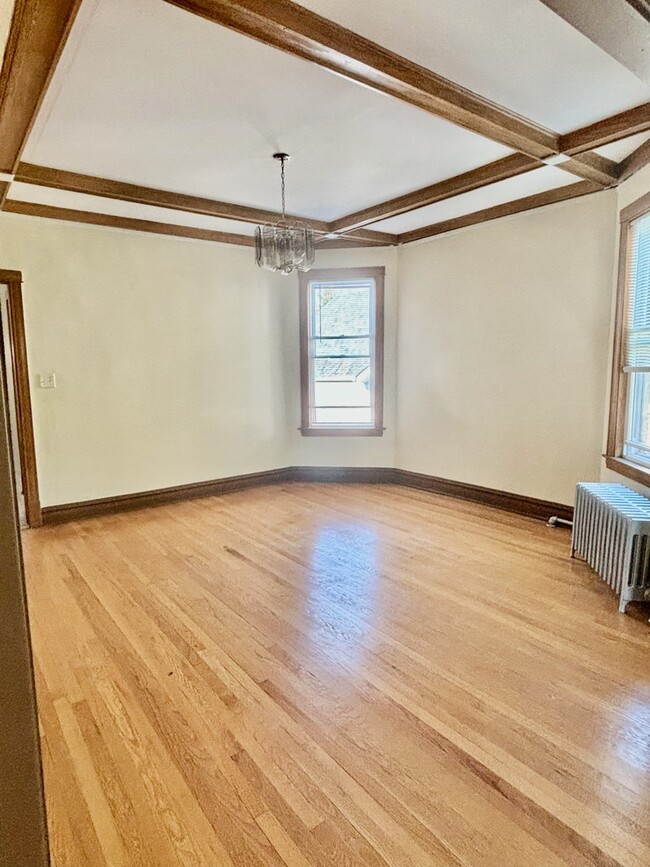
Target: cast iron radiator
<point x="611" y="530"/>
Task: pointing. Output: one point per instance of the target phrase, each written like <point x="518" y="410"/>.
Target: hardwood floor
<point x="335" y="675"/>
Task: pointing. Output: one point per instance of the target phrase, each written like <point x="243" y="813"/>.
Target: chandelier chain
<point x="282" y="181"/>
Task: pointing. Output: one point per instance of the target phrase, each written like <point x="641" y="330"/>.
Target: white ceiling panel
<point x="517" y="53"/>
<point x="100" y="205"/>
<point x="537" y="181"/>
<point x="153" y="95"/>
<point x="618" y="150"/>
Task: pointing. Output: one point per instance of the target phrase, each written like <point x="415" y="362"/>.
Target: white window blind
<point x="636" y="357"/>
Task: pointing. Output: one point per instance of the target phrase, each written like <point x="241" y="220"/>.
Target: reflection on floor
<point x="335" y="675"/>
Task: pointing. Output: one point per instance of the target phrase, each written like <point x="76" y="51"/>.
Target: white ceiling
<point x="537" y="181"/>
<point x="152" y="95"/>
<point x="618" y="150"/>
<point x="517" y="53"/>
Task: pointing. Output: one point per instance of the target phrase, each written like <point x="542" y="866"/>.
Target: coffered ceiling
<point x="168" y="112"/>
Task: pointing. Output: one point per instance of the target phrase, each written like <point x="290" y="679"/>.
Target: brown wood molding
<point x="508" y="167"/>
<point x="521" y="505"/>
<point x="69" y="215"/>
<point x="642" y="7"/>
<point x="628" y="469"/>
<point x="592" y="167"/>
<point x="7" y="276"/>
<point x="618" y="386"/>
<point x="38" y="33"/>
<point x="59" y="179"/>
<point x="638" y="159"/>
<point x="539" y="200"/>
<point x="23" y="825"/>
<point x="160" y="497"/>
<point x="296" y="30"/>
<point x="346" y="242"/>
<point x="20" y="370"/>
<point x="603" y="132"/>
<point x="382" y="239"/>
<point x="635" y="209"/>
<point x="531" y="507"/>
<point x="352" y="475"/>
<point x="32" y="209"/>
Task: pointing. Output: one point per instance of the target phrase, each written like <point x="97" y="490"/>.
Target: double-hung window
<point x="629" y="433"/>
<point x="341" y="344"/>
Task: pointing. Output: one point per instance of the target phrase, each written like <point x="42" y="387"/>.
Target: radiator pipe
<point x="554" y="521"/>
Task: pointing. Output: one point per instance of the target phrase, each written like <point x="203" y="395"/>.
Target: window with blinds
<point x="341" y="317"/>
<point x="636" y="345"/>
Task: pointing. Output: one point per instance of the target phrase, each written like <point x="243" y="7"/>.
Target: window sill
<point x="625" y="467"/>
<point x="342" y="431"/>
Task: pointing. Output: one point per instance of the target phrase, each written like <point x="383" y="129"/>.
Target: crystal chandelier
<point x="286" y="245"/>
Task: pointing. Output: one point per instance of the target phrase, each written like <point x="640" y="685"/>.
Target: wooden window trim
<point x="13" y="280"/>
<point x="614" y="458"/>
<point x="378" y="274"/>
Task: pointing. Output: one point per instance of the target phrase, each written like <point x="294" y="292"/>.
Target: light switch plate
<point x="47" y="380"/>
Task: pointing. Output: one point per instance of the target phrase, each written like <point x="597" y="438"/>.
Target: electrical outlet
<point x="47" y="380"/>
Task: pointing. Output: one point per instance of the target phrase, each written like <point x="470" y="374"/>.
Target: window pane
<point x="640" y="273"/>
<point x="341" y="370"/>
<point x="340" y="394"/>
<point x="343" y="309"/>
<point x="638" y="428"/>
<point x="346" y="416"/>
<point x="341" y="346"/>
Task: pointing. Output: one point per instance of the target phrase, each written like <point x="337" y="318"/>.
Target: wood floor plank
<point x="335" y="674"/>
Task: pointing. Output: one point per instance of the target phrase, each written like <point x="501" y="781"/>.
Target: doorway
<point x="15" y="385"/>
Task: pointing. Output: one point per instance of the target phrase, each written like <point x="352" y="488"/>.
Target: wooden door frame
<point x="14" y="281"/>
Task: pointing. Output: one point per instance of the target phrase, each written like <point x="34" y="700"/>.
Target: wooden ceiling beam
<point x="548" y="197"/>
<point x="638" y="159"/>
<point x="603" y="132"/>
<point x="39" y="30"/>
<point x="592" y="167"/>
<point x="370" y="236"/>
<point x="298" y="31"/>
<point x="58" y="179"/>
<point x="642" y="7"/>
<point x="74" y="182"/>
<point x="32" y="209"/>
<point x="500" y="170"/>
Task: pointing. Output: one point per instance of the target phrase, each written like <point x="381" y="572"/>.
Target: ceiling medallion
<point x="287" y="245"/>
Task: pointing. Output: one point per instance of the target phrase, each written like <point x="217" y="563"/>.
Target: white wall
<point x="629" y="191"/>
<point x="168" y="355"/>
<point x="345" y="451"/>
<point x="503" y="349"/>
<point x="178" y="361"/>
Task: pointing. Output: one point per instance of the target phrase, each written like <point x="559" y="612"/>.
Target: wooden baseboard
<point x="528" y="506"/>
<point x="160" y="497"/>
<point x="360" y="475"/>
